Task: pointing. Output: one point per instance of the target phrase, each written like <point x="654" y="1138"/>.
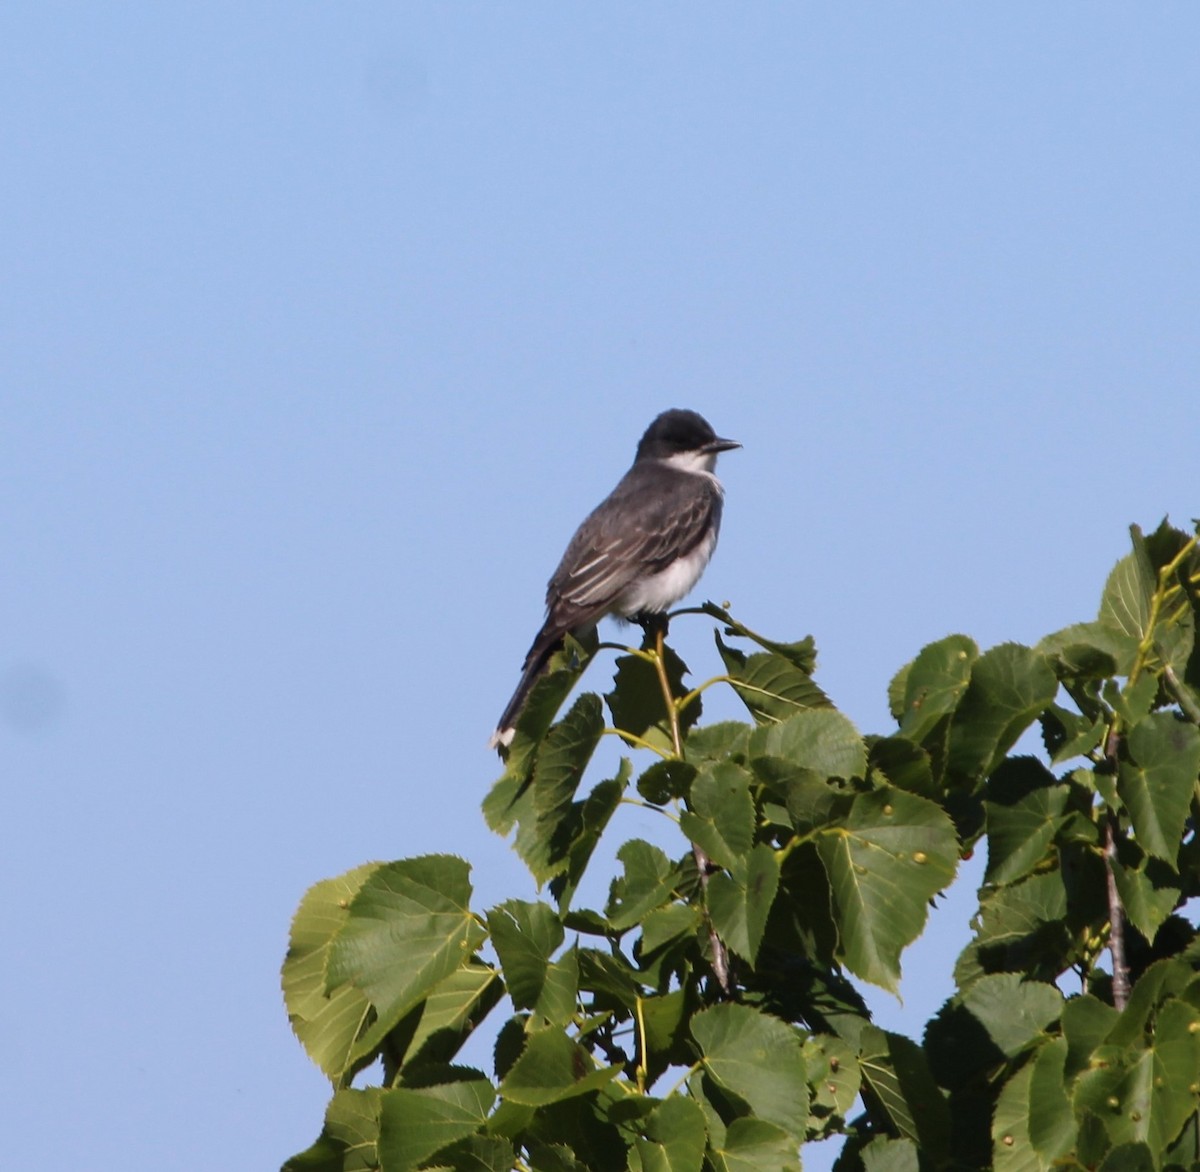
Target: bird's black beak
<point x="720" y="445"/>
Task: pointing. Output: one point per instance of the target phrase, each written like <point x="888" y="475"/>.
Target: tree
<point x="702" y="1019"/>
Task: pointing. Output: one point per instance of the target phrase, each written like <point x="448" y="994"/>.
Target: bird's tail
<point x="549" y="640"/>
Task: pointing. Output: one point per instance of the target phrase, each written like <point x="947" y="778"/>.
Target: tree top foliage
<point x="701" y="1018"/>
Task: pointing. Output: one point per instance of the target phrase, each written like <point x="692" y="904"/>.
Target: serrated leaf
<point x="1010" y="686"/>
<point x="1125" y="603"/>
<point x="410" y="925"/>
<point x="636" y="701"/>
<point x="675" y="1137"/>
<point x="666" y="780"/>
<point x="668" y="923"/>
<point x="933" y="684"/>
<point x="546" y="697"/>
<point x="418" y="1122"/>
<point x="649" y="880"/>
<point x="1012" y="1149"/>
<point x="834" y="1078"/>
<point x="721" y="818"/>
<point x="479" y="1153"/>
<point x="1018" y="924"/>
<point x="563" y="757"/>
<point x="753" y="1145"/>
<point x="455" y="1006"/>
<point x="895" y="1070"/>
<point x="1086" y="1022"/>
<point x="718" y="742"/>
<point x="1052" y="1127"/>
<point x="893" y="853"/>
<point x="890" y="1155"/>
<point x="1144" y="1094"/>
<point x="526" y="936"/>
<point x="739" y="903"/>
<point x="1025" y="806"/>
<point x="770" y="685"/>
<point x="328" y="1024"/>
<point x="1157" y="782"/>
<point x="902" y="763"/>
<point x="1089" y="650"/>
<point x="821" y="739"/>
<point x="582" y="833"/>
<point x="1014" y="1011"/>
<point x="551" y="1068"/>
<point x="348" y="1141"/>
<point x="1149" y="889"/>
<point x="757" y="1058"/>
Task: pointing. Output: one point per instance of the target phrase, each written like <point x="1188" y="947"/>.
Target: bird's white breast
<point x="663" y="590"/>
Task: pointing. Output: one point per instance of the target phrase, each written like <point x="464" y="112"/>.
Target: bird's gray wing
<point x="607" y="553"/>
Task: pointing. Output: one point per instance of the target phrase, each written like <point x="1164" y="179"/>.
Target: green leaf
<point x="895" y="1070"/>
<point x="553" y="1067"/>
<point x="890" y="1155"/>
<point x="1157" y="782"/>
<point x="1019" y="925"/>
<point x="902" y="763"/>
<point x="894" y="852"/>
<point x="1149" y="889"/>
<point x="410" y="926"/>
<point x="457" y="1004"/>
<point x="770" y="685"/>
<point x="649" y="881"/>
<point x="1125" y="603"/>
<point x="933" y="684"/>
<point x="478" y="1153"/>
<point x="636" y="701"/>
<point x="740" y="902"/>
<point x="1010" y="686"/>
<point x="546" y="697"/>
<point x="1129" y="1158"/>
<point x="718" y="742"/>
<point x="757" y="1058"/>
<point x="1025" y="805"/>
<point x="1051" y="1124"/>
<point x="348" y="1141"/>
<point x="1144" y="1094"/>
<point x="668" y="923"/>
<point x="416" y="1123"/>
<point x="820" y="739"/>
<point x="1086" y="1022"/>
<point x="1014" y="1011"/>
<point x="579" y="835"/>
<point x="1089" y="650"/>
<point x="564" y="755"/>
<point x="721" y="819"/>
<point x="666" y="780"/>
<point x="753" y="1145"/>
<point x="675" y="1137"/>
<point x="834" y="1080"/>
<point x="525" y="936"/>
<point x="328" y="1024"/>
<point x="1012" y="1148"/>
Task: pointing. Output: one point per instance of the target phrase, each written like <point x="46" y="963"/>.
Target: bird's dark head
<point x="679" y="433"/>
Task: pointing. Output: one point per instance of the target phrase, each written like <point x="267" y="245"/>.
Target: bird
<point x="639" y="551"/>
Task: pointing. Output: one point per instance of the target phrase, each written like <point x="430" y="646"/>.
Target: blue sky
<point x="322" y="325"/>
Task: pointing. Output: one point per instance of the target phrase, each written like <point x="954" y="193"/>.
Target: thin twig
<point x="1116" y="919"/>
<point x="720" y="956"/>
<point x="1116" y="910"/>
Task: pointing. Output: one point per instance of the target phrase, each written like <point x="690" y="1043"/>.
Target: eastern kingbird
<point x="640" y="550"/>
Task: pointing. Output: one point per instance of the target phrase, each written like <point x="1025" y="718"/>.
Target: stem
<point x="720" y="956"/>
<point x="1116" y="919"/>
<point x="636" y="742"/>
<point x="641" y="1044"/>
<point x="1116" y="910"/>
